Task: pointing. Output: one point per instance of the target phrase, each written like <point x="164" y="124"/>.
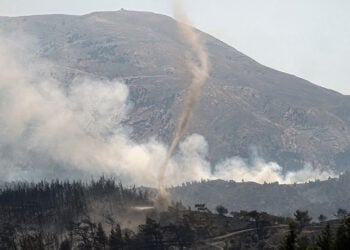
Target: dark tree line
<point x="86" y="235"/>
<point x="36" y="215"/>
<point x="67" y="215"/>
<point x="19" y="199"/>
<point x="330" y="238"/>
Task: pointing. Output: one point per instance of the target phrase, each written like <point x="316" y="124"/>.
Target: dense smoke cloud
<point x="49" y="130"/>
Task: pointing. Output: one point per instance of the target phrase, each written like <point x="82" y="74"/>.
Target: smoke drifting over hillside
<point x="49" y="130"/>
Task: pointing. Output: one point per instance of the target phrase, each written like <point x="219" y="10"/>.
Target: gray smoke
<point x="48" y="130"/>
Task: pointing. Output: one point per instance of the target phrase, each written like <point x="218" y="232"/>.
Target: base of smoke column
<point x="162" y="200"/>
<point x="141" y="208"/>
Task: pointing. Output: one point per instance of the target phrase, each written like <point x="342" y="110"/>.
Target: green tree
<point x="181" y="233"/>
<point x="341" y="213"/>
<point x="322" y="218"/>
<point x="342" y="239"/>
<point x="85" y="233"/>
<point x="65" y="245"/>
<point x="302" y="218"/>
<point x="325" y="239"/>
<point x="289" y="242"/>
<point x="201" y="207"/>
<point x="7" y="237"/>
<point x="221" y="210"/>
<point x="100" y="238"/>
<point x="116" y="238"/>
<point x="32" y="242"/>
<point x="151" y="235"/>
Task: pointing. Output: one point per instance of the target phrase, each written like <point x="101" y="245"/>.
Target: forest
<point x="104" y="214"/>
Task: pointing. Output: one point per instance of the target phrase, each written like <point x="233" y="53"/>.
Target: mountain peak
<point x="287" y="119"/>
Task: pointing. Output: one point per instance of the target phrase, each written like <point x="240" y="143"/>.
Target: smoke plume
<point x="49" y="131"/>
<point x="199" y="69"/>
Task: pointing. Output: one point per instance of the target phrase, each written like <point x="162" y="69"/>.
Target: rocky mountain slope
<point x="243" y="104"/>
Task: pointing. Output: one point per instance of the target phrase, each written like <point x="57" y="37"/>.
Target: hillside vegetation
<point x="319" y="197"/>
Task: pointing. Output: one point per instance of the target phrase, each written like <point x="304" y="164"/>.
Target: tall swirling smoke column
<point x="200" y="71"/>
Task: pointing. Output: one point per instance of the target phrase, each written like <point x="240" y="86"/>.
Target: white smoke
<point x="48" y="130"/>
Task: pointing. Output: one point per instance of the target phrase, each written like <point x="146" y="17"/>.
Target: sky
<point x="309" y="39"/>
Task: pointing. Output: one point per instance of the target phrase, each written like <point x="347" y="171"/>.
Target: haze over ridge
<point x="284" y="118"/>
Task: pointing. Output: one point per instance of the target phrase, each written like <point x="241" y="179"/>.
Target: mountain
<point x="243" y="105"/>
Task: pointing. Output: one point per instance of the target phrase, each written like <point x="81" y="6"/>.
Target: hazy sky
<point x="308" y="38"/>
